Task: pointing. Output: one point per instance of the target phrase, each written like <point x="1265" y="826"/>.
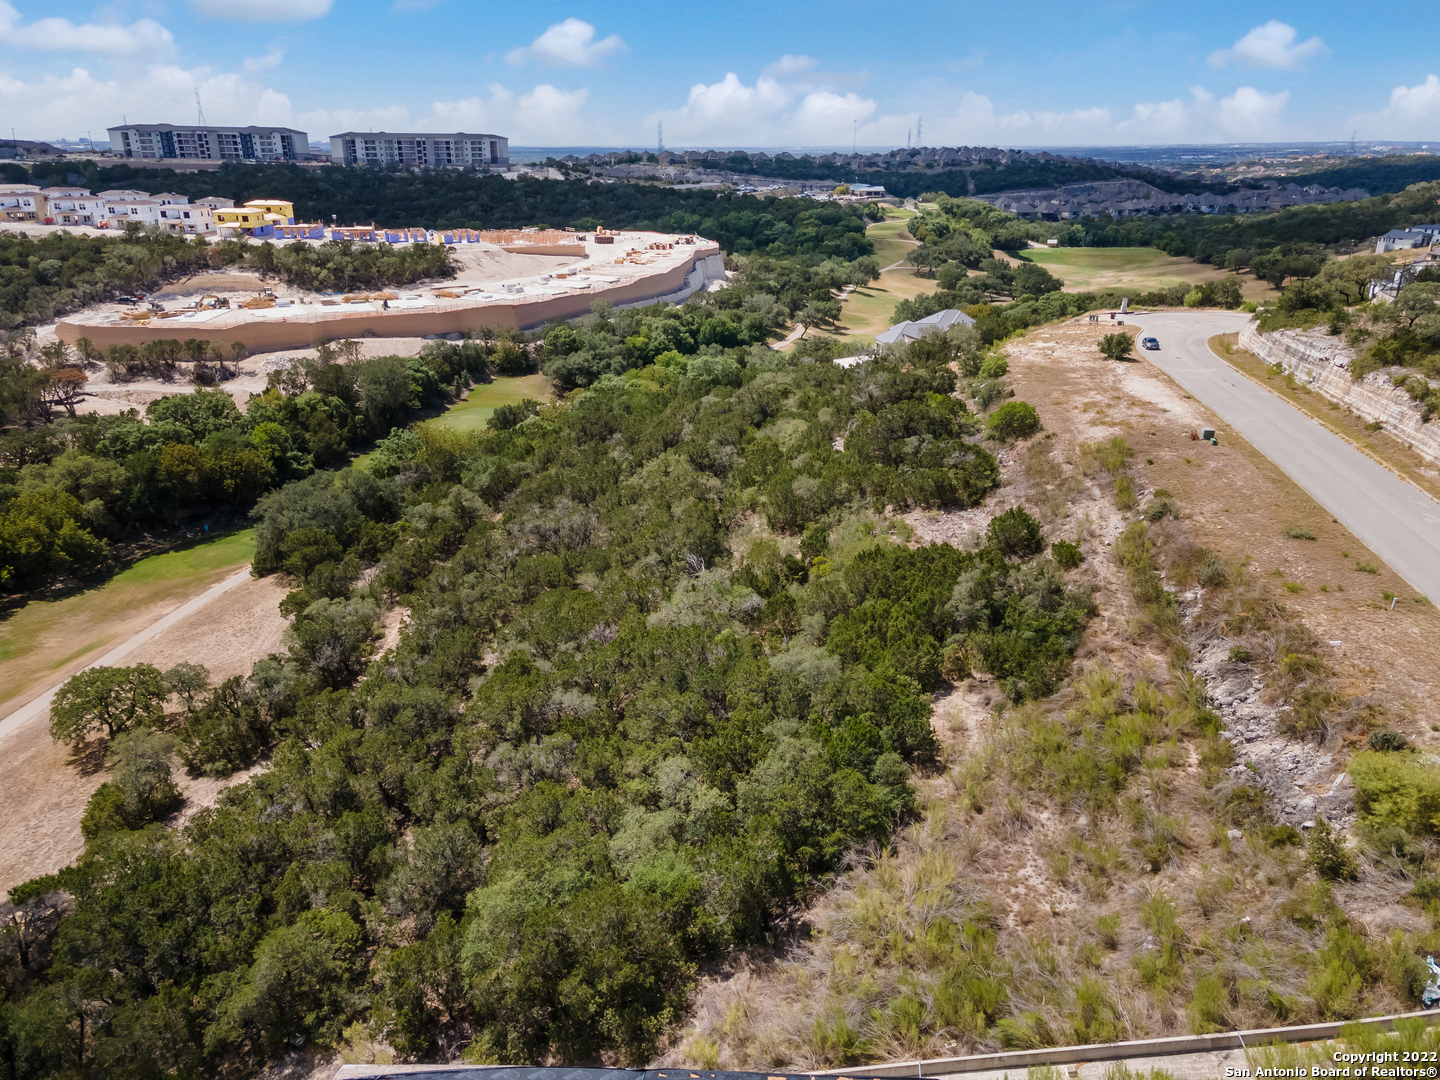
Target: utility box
<point x="1208" y="434"/>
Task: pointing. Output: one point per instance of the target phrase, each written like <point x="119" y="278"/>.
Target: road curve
<point x="1394" y="518"/>
<point x="32" y="710"/>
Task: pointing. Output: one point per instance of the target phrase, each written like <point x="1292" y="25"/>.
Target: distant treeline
<point x="1208" y="239"/>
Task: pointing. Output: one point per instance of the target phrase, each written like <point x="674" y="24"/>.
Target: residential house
<point x="22" y="202"/>
<point x="73" y="206"/>
<point x="902" y="333"/>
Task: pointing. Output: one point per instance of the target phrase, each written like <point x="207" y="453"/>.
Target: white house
<point x="73" y="206"/>
<point x="180" y="218"/>
<point x="1401" y="239"/>
<point x="121" y="212"/>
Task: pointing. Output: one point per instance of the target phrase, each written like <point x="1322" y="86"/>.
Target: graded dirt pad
<point x="1237" y="503"/>
<point x="46" y="789"/>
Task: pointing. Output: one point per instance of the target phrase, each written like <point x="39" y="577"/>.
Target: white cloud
<point x="325" y="122"/>
<point x="1413" y="113"/>
<point x="58" y="105"/>
<point x="567" y="44"/>
<point x="771" y="112"/>
<point x="263" y="10"/>
<point x="263" y="63"/>
<point x="545" y="114"/>
<point x="1269" y="46"/>
<point x="790" y="65"/>
<point x="61" y="35"/>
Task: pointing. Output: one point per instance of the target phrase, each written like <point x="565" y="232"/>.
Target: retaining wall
<point x="453" y="317"/>
<point x="1323" y="363"/>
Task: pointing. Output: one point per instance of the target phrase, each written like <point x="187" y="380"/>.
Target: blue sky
<point x="737" y="73"/>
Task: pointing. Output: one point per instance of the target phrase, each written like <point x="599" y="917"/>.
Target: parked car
<point x="1149" y="343"/>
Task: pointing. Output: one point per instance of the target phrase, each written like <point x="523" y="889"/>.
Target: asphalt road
<point x="1395" y="519"/>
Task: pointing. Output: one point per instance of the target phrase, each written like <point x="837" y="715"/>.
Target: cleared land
<point x="1095" y="269"/>
<point x="46" y="641"/>
<point x="479" y="405"/>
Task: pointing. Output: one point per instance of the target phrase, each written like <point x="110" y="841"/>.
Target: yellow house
<point x="275" y="208"/>
<point x="243" y="221"/>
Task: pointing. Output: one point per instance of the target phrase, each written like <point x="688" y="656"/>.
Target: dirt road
<point x="1397" y="520"/>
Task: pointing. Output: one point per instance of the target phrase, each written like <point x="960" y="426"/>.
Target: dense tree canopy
<point x="665" y="663"/>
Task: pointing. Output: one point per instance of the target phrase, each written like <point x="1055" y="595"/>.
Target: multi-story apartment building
<point x="159" y="141"/>
<point x="22" y="202"/>
<point x="73" y="206"/>
<point x="426" y="149"/>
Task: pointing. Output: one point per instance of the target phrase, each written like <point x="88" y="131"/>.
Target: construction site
<point x="506" y="280"/>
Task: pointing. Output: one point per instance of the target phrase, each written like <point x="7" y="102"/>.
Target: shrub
<point x="506" y="417"/>
<point x="1016" y="534"/>
<point x="1125" y="497"/>
<point x="1013" y="420"/>
<point x="1118" y="346"/>
<point x="1295" y="532"/>
<point x="1397" y="789"/>
<point x="1212" y="573"/>
<point x="994" y="366"/>
<point x="1066" y="555"/>
<point x="1328" y="854"/>
<point x="1388" y="742"/>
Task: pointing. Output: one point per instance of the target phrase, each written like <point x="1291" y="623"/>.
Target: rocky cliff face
<point x="1322" y="363"/>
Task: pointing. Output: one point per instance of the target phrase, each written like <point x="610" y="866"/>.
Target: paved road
<point x="1397" y="520"/>
<point x="40" y="706"/>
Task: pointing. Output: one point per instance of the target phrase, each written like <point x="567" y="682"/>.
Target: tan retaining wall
<point x="1323" y="363"/>
<point x="453" y="318"/>
<point x="576" y="250"/>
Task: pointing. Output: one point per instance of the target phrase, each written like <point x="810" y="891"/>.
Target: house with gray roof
<point x="902" y="333"/>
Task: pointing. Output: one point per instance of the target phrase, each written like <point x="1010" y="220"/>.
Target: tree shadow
<point x="88" y="758"/>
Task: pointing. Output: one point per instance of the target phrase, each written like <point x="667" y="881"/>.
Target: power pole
<point x="199" y="110"/>
<point x="660" y="138"/>
<point x="920" y="131"/>
<point x="854" y="129"/>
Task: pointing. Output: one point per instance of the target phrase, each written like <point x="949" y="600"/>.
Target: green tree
<point x="41" y="538"/>
<point x="1013" y="420"/>
<point x="1117" y="346"/>
<point x="187" y="682"/>
<point x="107" y="700"/>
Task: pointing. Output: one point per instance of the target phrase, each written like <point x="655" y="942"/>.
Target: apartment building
<point x="73" y="206"/>
<point x="22" y="202"/>
<point x="424" y="149"/>
<point x="186" y="142"/>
